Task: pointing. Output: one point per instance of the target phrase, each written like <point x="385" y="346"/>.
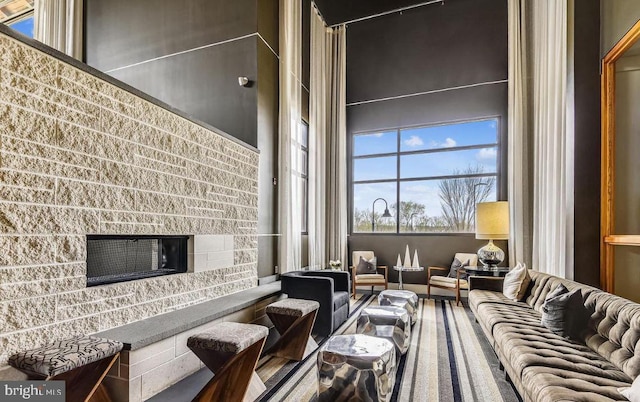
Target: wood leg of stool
<point x="231" y="381"/>
<point x="85" y="383"/>
<point x="295" y="340"/>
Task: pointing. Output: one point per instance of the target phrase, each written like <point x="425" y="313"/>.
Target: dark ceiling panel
<point x="123" y="32"/>
<point x="337" y="11"/>
<point x="460" y="43"/>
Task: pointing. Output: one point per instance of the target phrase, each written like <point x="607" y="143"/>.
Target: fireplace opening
<point x="120" y="258"/>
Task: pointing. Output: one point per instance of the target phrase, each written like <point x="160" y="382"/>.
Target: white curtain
<point x="337" y="150"/>
<point x="58" y="23"/>
<point x="518" y="137"/>
<point x="553" y="134"/>
<point x="289" y="189"/>
<point x="318" y="126"/>
<point x="328" y="152"/>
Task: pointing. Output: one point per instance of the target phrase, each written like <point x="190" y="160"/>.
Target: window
<point x="18" y="14"/>
<point x="300" y="156"/>
<point x="436" y="174"/>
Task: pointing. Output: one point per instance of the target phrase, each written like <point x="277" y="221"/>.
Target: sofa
<point x="329" y="288"/>
<point x="544" y="366"/>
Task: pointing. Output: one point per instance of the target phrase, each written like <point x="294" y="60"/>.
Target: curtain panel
<point x="58" y="23"/>
<point x="289" y="188"/>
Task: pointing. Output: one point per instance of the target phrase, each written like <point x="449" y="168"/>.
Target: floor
<point x="188" y="388"/>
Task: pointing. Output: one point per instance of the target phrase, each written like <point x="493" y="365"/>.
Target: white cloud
<point x="377" y="135"/>
<point x="487" y="154"/>
<point x="448" y="143"/>
<point x="414" y="141"/>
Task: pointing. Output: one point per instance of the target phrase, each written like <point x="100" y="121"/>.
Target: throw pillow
<point x="560" y="309"/>
<point x="632" y="393"/>
<point x="366" y="266"/>
<point x="455" y="265"/>
<point x="516" y="283"/>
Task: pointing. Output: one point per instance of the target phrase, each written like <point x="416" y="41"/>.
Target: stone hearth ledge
<point x="150" y="330"/>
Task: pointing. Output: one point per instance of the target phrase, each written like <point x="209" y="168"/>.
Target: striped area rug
<point x="449" y="360"/>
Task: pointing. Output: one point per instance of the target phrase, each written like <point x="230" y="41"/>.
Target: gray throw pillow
<point x="455" y="266"/>
<point x="366" y="267"/>
<point x="560" y="310"/>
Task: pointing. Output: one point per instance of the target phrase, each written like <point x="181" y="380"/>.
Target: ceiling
<point x="338" y="11"/>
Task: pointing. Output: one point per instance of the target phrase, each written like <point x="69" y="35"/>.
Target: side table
<point x="483" y="271"/>
<point x="403" y="269"/>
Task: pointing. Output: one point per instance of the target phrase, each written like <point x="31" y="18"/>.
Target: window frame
<point x="304" y="178"/>
<point x="25" y="14"/>
<point x="499" y="144"/>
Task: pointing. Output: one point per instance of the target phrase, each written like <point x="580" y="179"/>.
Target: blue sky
<point x="443" y="163"/>
<point x="25" y="27"/>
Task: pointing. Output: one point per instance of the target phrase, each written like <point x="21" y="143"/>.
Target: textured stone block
<point x="116" y="318"/>
<point x="76" y="193"/>
<point x="26" y="250"/>
<point x="71" y="248"/>
<point x="12" y="291"/>
<point x="244" y="242"/>
<point x="32" y="63"/>
<point x="27" y="125"/>
<point x="26" y="313"/>
<point x="70" y="76"/>
<point x="41" y="272"/>
<point x="123" y="127"/>
<point x="161" y="203"/>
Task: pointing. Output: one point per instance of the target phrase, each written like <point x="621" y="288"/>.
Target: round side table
<point x="403" y="269"/>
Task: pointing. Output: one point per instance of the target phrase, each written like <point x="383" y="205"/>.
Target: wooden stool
<point x="293" y="318"/>
<point x="231" y="351"/>
<point x="81" y="362"/>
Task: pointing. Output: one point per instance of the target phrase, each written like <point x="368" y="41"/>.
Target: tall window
<point x="300" y="153"/>
<point x="18" y="14"/>
<point x="430" y="178"/>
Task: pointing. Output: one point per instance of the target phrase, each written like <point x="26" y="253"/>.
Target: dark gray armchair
<point x="329" y="288"/>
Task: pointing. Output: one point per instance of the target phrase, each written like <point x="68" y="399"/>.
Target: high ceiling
<point x="338" y="11"/>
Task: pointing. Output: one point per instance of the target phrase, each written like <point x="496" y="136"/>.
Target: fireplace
<point x="120" y="258"/>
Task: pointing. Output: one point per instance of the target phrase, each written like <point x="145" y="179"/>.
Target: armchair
<point x="329" y="288"/>
<point x="378" y="279"/>
<point x="452" y="284"/>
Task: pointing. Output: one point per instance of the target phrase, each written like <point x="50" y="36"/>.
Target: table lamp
<point x="492" y="223"/>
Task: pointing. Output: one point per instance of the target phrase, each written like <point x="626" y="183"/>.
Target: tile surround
<point x="80" y="156"/>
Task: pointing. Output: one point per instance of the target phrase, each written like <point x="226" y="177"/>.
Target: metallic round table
<point x="484" y="271"/>
<point x="403" y="269"/>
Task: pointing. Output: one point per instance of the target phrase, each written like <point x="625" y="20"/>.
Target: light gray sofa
<point x="544" y="366"/>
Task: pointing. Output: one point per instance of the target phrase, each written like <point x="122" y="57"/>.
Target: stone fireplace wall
<point x="78" y="156"/>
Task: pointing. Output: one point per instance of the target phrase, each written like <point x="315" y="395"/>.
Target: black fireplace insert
<point x="120" y="258"/>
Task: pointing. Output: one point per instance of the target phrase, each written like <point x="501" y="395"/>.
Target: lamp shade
<point x="492" y="220"/>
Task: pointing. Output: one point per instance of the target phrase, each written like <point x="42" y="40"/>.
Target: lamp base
<point x="490" y="255"/>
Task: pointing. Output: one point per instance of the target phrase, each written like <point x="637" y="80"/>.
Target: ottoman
<point x="389" y="322"/>
<point x="231" y="351"/>
<point x="401" y="298"/>
<point x="293" y="318"/>
<point x="356" y="368"/>
<point x="81" y="362"/>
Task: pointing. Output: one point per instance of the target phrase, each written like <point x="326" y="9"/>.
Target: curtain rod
<point x="426" y="3"/>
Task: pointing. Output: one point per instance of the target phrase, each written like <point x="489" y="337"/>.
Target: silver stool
<point x="356" y="367"/>
<point x="387" y="322"/>
<point x="401" y="298"/>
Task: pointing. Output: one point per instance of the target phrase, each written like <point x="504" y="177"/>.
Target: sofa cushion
<point x="516" y="283"/>
<point x="632" y="393"/>
<point x="366" y="266"/>
<point x="548" y="384"/>
<point x="561" y="311"/>
<point x="478" y="297"/>
<point x="447" y="282"/>
<point x="340" y="299"/>
<point x="614" y="331"/>
<point x="369" y="278"/>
